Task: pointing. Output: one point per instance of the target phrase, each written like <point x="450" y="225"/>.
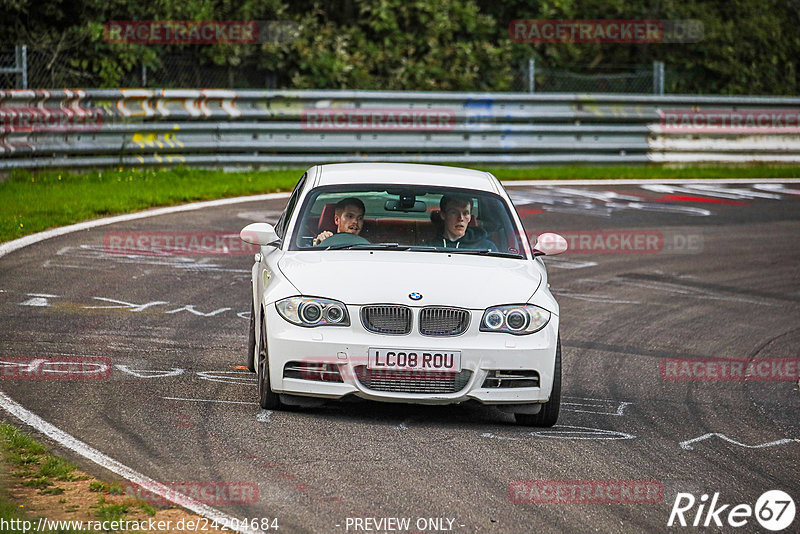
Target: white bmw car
<point x="404" y="283"/>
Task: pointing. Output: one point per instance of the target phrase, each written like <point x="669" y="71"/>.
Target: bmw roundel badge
<point x="415" y="296"/>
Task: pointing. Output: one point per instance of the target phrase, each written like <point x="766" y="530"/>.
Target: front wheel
<point x="548" y="415"/>
<point x="268" y="399"/>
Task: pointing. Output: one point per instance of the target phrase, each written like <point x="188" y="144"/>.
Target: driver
<point x="348" y="218"/>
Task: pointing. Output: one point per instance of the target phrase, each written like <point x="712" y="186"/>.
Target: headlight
<point x="519" y="319"/>
<point x="335" y="313"/>
<point x="493" y="319"/>
<point x="313" y="311"/>
<point x="310" y="312"/>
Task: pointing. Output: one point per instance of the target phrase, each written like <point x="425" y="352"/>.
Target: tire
<point x="268" y="399"/>
<point x="251" y="341"/>
<point x="548" y="415"/>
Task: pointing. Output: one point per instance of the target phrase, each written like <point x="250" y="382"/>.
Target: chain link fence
<point x="13" y="68"/>
<point x="532" y="77"/>
<point x="182" y="67"/>
<point x="31" y="68"/>
<point x="177" y="69"/>
<point x="52" y="70"/>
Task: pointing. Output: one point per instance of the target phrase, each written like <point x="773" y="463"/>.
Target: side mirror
<point x="260" y="234"/>
<point x="549" y="245"/>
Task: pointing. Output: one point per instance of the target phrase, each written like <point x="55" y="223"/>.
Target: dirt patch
<point x="80" y="500"/>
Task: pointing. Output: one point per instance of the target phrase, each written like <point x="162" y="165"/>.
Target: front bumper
<point x="347" y="348"/>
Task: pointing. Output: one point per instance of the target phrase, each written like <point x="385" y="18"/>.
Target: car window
<point x="404" y="216"/>
<point x="280" y="226"/>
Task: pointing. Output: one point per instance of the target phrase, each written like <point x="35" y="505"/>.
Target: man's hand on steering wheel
<point x="321" y="237"/>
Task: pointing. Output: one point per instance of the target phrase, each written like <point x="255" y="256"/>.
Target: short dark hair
<point x="457" y="199"/>
<point x="349" y="201"/>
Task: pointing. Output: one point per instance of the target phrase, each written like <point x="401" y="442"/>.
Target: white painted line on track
<point x="687" y="445"/>
<point x="403" y="424"/>
<point x="567" y="432"/>
<point x="16" y="244"/>
<point x="208" y="400"/>
<point x="90" y="453"/>
<point x="636" y="181"/>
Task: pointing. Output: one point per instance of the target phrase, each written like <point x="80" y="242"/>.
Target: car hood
<point x="363" y="277"/>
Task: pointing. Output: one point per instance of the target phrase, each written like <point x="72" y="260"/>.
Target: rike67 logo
<point x="774" y="510"/>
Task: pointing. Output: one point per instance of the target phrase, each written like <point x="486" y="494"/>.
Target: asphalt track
<point x="722" y="282"/>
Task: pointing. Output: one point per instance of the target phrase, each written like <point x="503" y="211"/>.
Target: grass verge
<point x="35" y="468"/>
<point x="32" y="202"/>
<point x="35" y="483"/>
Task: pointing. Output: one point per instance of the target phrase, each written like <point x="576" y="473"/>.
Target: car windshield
<point x="407" y="218"/>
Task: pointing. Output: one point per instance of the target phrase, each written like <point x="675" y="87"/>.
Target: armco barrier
<point x="133" y="127"/>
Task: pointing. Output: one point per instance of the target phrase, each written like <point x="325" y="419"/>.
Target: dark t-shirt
<point x="474" y="238"/>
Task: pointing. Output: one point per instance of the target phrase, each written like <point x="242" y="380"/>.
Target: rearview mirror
<point x="549" y="244"/>
<point x="405" y="204"/>
<point x="260" y="234"/>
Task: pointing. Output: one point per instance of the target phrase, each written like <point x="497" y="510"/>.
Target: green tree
<point x="749" y="46"/>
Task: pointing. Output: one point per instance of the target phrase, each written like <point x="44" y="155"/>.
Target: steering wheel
<point x="343" y="238"/>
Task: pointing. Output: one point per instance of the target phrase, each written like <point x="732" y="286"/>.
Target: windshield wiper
<point x="482" y="252"/>
<point x="370" y="246"/>
<point x="397" y="246"/>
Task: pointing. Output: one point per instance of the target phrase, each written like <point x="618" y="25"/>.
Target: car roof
<point x="404" y="173"/>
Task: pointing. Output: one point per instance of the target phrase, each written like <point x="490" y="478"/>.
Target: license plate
<point x="447" y="361"/>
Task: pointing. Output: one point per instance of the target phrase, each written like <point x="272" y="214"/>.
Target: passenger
<point x="456" y="213"/>
<point x="348" y="217"/>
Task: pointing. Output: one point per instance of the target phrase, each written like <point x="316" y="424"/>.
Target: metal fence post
<point x="658" y="77"/>
<point x="531" y="70"/>
<point x="24" y="66"/>
<point x="20" y="66"/>
<point x="144" y="75"/>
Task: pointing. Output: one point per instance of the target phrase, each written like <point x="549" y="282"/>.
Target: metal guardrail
<point x="133" y="127"/>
